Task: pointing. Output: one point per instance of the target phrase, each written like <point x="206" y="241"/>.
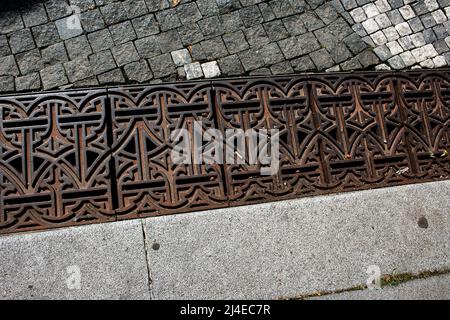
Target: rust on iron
<point x="90" y="156"/>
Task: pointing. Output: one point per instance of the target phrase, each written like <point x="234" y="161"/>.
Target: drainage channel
<point x="96" y="155"/>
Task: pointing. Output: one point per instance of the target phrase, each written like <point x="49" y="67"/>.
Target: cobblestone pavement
<point x="78" y="43"/>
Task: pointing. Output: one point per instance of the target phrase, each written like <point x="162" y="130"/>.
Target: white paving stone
<point x="431" y="4"/>
<point x="427" y="64"/>
<point x="211" y="69"/>
<point x="371" y="26"/>
<point x="371" y="10"/>
<point x="358" y="15"/>
<point x="193" y="70"/>
<point x="407" y="12"/>
<point x="181" y="57"/>
<point x="408" y="58"/>
<point x="439" y="16"/>
<point x="379" y="38"/>
<point x="418" y="39"/>
<point x="439" y="62"/>
<point x="383" y="20"/>
<point x="394" y="47"/>
<point x="403" y="29"/>
<point x="383" y="66"/>
<point x="382" y="5"/>
<point x="391" y="34"/>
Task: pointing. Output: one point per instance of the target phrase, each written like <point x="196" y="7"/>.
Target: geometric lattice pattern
<point x="76" y="157"/>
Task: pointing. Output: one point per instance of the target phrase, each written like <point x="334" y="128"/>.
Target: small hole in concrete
<point x="423" y="222"/>
<point x="155" y="246"/>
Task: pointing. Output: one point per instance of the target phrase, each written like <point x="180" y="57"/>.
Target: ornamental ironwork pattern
<point x="89" y="156"/>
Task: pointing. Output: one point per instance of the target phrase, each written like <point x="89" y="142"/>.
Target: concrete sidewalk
<point x="267" y="251"/>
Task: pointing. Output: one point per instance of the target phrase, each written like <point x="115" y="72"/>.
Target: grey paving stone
<point x="350" y="65"/>
<point x="322" y="59"/>
<point x="275" y="30"/>
<point x="78" y="69"/>
<point x="231" y="22"/>
<point x="92" y="20"/>
<point x="138" y="71"/>
<point x="162" y="65"/>
<point x="188" y="13"/>
<point x="235" y="42"/>
<point x="214" y="48"/>
<point x="294" y="25"/>
<point x="102" y="62"/>
<point x="34" y="15"/>
<point x="315" y="3"/>
<point x="29" y="82"/>
<point x="6" y="84"/>
<point x="282" y="68"/>
<point x="4" y="47"/>
<point x="327" y="13"/>
<point x="266" y="12"/>
<point x="261" y="72"/>
<point x="231" y="65"/>
<point x="190" y="34"/>
<point x="251" y="59"/>
<point x="101" y="40"/>
<point x="207" y="7"/>
<point x="169" y="41"/>
<point x="367" y="58"/>
<point x="428" y="20"/>
<point x="69" y="27"/>
<point x="134" y="8"/>
<point x="270" y="53"/>
<point x="45" y="35"/>
<point x="145" y="25"/>
<point x="300" y="45"/>
<point x="168" y="19"/>
<point x="83" y="4"/>
<point x="429" y="36"/>
<point x="86" y="83"/>
<point x="197" y="52"/>
<point x="383" y="52"/>
<point x="299" y="6"/>
<point x="256" y="36"/>
<point x="53" y="76"/>
<point x="250" y="16"/>
<point x="193" y="71"/>
<point x="113" y="13"/>
<point x="226" y="6"/>
<point x="211" y="27"/>
<point x="148" y="47"/>
<point x="21" y="41"/>
<point x="311" y="21"/>
<point x="29" y="61"/>
<point x="57" y="9"/>
<point x="78" y="47"/>
<point x="10" y="21"/>
<point x="281" y="8"/>
<point x="111" y="77"/>
<point x="54" y="54"/>
<point x="8" y="66"/>
<point x="122" y="32"/>
<point x="354" y="43"/>
<point x="303" y="64"/>
<point x="125" y="54"/>
<point x="156" y="5"/>
<point x="349" y="4"/>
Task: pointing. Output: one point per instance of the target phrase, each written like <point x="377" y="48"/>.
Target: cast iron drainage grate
<point x="89" y="156"/>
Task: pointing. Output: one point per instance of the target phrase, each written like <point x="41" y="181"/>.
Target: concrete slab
<point x="294" y="247"/>
<point x="435" y="288"/>
<point x="105" y="261"/>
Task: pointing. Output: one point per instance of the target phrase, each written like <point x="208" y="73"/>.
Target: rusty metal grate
<point x="89" y="156"/>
